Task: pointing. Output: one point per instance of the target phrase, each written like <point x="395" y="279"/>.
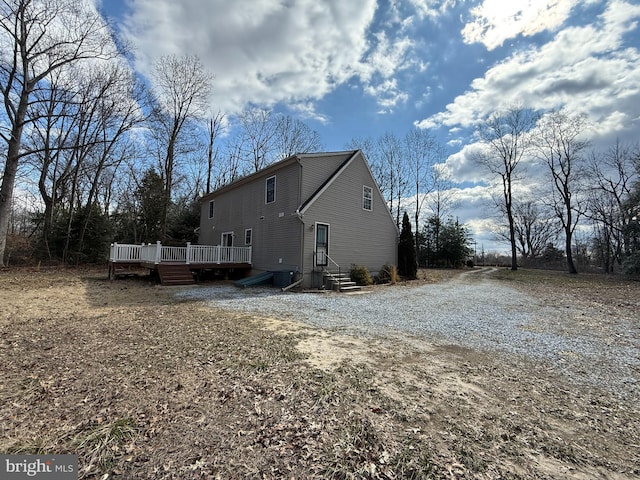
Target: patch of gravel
<point x="469" y="312"/>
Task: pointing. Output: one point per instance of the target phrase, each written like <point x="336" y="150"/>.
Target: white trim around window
<point x="226" y="239"/>
<point x="248" y="236"/>
<point x="367" y="198"/>
<point x="211" y="208"/>
<point x="270" y="190"/>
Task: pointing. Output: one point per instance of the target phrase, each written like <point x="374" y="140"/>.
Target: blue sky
<point x="364" y="67"/>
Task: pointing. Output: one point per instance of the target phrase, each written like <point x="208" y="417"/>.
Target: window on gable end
<point x="248" y="234"/>
<point x="367" y="198"/>
<point x="270" y="193"/>
<point x="211" y="208"/>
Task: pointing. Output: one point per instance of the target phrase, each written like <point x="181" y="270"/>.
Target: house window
<point x="247" y="236"/>
<point x="367" y="198"/>
<point x="211" y="209"/>
<point x="227" y="239"/>
<point x="270" y="196"/>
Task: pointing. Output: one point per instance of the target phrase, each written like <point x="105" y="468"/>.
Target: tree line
<point x="549" y="187"/>
<point x="554" y="187"/>
<point x="92" y="155"/>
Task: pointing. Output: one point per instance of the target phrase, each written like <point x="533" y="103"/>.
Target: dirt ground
<point x="141" y="385"/>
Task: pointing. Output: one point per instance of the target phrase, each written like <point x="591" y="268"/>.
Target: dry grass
<point x="139" y="385"/>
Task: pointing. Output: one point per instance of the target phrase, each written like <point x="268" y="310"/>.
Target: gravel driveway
<point x="471" y="311"/>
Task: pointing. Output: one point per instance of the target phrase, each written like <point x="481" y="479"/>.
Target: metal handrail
<point x="335" y="263"/>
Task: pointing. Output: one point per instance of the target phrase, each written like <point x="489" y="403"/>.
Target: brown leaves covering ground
<point x="140" y="385"/>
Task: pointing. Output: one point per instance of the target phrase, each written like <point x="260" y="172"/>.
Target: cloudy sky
<point x="360" y="68"/>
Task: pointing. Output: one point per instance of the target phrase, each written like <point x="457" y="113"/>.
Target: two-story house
<point x="306" y="214"/>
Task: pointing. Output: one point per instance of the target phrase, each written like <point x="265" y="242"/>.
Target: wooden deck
<point x="175" y="265"/>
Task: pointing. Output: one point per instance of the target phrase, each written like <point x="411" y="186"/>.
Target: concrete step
<point x="341" y="283"/>
<point x="350" y="288"/>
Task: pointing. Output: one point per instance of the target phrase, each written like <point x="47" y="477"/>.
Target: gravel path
<point x="471" y="311"/>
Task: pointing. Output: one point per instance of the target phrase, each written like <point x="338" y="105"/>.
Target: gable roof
<point x="351" y="155"/>
<point x="248" y="178"/>
<point x="274" y="167"/>
<point x="309" y="201"/>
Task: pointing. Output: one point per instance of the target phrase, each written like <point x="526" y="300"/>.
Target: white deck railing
<point x="156" y="253"/>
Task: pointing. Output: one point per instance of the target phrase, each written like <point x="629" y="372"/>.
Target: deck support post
<point x="188" y="253"/>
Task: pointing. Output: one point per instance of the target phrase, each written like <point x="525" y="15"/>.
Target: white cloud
<point x="463" y="167"/>
<point x="307" y="111"/>
<point x="270" y="52"/>
<point x="295" y="52"/>
<point x="388" y="95"/>
<point x="387" y="57"/>
<point x="382" y="65"/>
<point x="475" y="208"/>
<point x="432" y="8"/>
<point x="496" y="20"/>
<point x="472" y="207"/>
<point x="586" y="69"/>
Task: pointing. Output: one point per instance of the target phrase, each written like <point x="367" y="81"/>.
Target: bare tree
<point x="233" y="169"/>
<point x="294" y="136"/>
<point x="560" y="145"/>
<point x="39" y="38"/>
<point x="440" y="203"/>
<point x="48" y="143"/>
<point x="394" y="167"/>
<point x="258" y="137"/>
<point x="78" y="135"/>
<point x="534" y="228"/>
<point x="214" y="125"/>
<point x="115" y="95"/>
<point x="182" y="87"/>
<point x="369" y="148"/>
<point x="506" y="137"/>
<point x="422" y="152"/>
<point x="612" y="174"/>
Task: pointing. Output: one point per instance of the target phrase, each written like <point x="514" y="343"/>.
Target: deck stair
<point x="175" y="274"/>
<point x="340" y="282"/>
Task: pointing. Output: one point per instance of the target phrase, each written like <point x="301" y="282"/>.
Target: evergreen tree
<point x="430" y="245"/>
<point x="150" y="198"/>
<point x="454" y="241"/>
<point x="444" y="244"/>
<point x="67" y="243"/>
<point x="552" y="254"/>
<point x="407" y="265"/>
<point x="185" y="220"/>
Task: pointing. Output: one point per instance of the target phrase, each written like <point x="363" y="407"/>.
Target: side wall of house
<point x="275" y="229"/>
<point x="356" y="236"/>
<point x="316" y="170"/>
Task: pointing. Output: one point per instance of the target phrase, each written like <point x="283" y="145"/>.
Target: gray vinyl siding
<point x="327" y="188"/>
<point x="316" y="171"/>
<point x="356" y="236"/>
<point x="275" y="228"/>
